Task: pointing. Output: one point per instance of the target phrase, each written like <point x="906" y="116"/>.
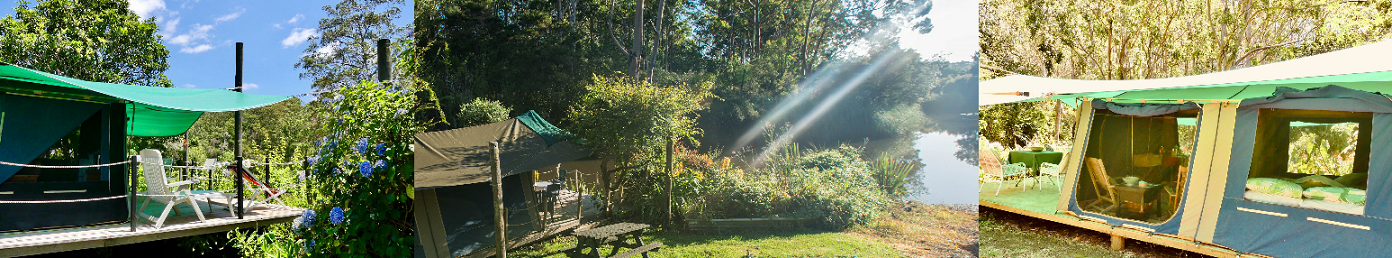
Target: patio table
<point x="627" y="235"/>
<point x="1032" y="159"/>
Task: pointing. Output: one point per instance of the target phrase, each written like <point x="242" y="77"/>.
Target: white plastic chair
<point x="160" y="190"/>
<point x="995" y="172"/>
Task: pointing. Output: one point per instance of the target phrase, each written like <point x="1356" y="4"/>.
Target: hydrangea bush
<point x="362" y="175"/>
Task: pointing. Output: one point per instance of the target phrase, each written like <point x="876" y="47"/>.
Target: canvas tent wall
<point x="38" y="110"/>
<point x="453" y="199"/>
<point x="1234" y="142"/>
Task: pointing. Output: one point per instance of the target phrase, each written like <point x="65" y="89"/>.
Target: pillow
<point x="1276" y="187"/>
<point x="1354" y="196"/>
<point x="1316" y="181"/>
<point x="1355" y="180"/>
<point x="1337" y="194"/>
<point x="1325" y="193"/>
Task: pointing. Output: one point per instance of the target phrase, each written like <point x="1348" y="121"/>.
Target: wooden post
<point x="671" y="151"/>
<point x="499" y="216"/>
<point x="1118" y="242"/>
<point x="131" y="194"/>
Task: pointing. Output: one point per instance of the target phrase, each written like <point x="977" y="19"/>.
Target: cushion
<point x="1271" y="199"/>
<point x="1332" y="206"/>
<point x="1276" y="187"/>
<point x="1355" y="180"/>
<point x="1337" y="194"/>
<point x="1316" y="181"/>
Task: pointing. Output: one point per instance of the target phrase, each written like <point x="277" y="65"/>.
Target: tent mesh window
<point x="1311" y="159"/>
<point x="1129" y="150"/>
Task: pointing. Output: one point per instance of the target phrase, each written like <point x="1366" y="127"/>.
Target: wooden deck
<point x="1043" y="203"/>
<point x="68" y="239"/>
<point x="567" y="217"/>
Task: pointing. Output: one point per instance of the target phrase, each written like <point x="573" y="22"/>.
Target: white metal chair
<point x="160" y="190"/>
<point x="995" y="172"/>
<point x="1053" y="170"/>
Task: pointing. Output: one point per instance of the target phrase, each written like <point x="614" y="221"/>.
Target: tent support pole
<point x="499" y="218"/>
<point x="130" y="195"/>
<point x="237" y="138"/>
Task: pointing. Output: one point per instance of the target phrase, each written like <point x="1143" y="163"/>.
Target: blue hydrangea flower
<point x="337" y="171"/>
<point x="336" y="216"/>
<point x="363" y="146"/>
<point x="381" y="149"/>
<point x="381" y="164"/>
<point x="308" y="217"/>
<point x="308" y="246"/>
<point x="365" y="168"/>
<point x="400" y="111"/>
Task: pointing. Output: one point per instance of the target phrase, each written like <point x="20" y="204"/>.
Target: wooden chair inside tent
<point x="1102" y="185"/>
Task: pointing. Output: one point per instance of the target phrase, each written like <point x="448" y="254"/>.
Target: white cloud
<point x="297" y="36"/>
<point x="295" y="19"/>
<point x="231" y="16"/>
<point x="170" y="27"/>
<point x="143" y="8"/>
<point x="188" y="86"/>
<point x="196" y="49"/>
<point x="250" y="86"/>
<point x="199" y="32"/>
<point x="327" y="50"/>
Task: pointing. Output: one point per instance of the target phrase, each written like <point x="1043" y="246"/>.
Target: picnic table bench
<point x="626" y="235"/>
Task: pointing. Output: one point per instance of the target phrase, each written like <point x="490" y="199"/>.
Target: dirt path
<point x="921" y="230"/>
<point x="1005" y="234"/>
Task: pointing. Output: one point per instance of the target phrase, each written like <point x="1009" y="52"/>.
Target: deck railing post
<point x="130" y="195"/>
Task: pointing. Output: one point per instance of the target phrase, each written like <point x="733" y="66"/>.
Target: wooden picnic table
<point x="626" y="235"/>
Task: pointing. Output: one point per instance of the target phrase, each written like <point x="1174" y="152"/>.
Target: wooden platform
<point x="1042" y="204"/>
<point x="565" y="219"/>
<point x="219" y="220"/>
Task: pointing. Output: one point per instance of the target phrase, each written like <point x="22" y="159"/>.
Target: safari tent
<point x="1228" y="160"/>
<point x="454" y="200"/>
<point x="42" y="112"/>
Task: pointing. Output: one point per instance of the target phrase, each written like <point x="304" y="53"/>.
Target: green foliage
<point x="893" y="176"/>
<point x="347" y="43"/>
<point x="1016" y="125"/>
<point x="1323" y="149"/>
<point x="376" y="204"/>
<point x="481" y="111"/>
<point x="835" y="188"/>
<point x="626" y="121"/>
<point x="94" y="40"/>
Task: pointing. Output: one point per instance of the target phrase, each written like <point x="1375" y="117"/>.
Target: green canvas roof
<point x="154" y="111"/>
<point x="462" y="156"/>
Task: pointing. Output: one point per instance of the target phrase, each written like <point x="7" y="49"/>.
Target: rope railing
<point x="51" y="166"/>
<point x="65" y="201"/>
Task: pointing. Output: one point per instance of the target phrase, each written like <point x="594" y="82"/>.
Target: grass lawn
<point x="782" y="244"/>
<point x="1005" y="234"/>
<point x="911" y="230"/>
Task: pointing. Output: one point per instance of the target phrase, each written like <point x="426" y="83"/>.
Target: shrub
<point x="482" y="111"/>
<point x="363" y="174"/>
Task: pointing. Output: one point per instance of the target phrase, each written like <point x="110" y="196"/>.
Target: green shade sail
<point x="153" y="111"/>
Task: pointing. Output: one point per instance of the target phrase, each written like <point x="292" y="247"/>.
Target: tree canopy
<point x="94" y="40"/>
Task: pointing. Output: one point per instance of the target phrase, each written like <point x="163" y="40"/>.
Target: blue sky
<point x="201" y="38"/>
<point x="954" y="32"/>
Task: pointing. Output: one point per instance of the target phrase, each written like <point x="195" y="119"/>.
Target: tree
<point x="482" y="111"/>
<point x="345" y="50"/>
<point x="630" y="122"/>
<point x="1156" y="39"/>
<point x="94" y="40"/>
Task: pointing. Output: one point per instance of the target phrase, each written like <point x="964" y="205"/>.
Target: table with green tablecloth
<point x="1033" y="159"/>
